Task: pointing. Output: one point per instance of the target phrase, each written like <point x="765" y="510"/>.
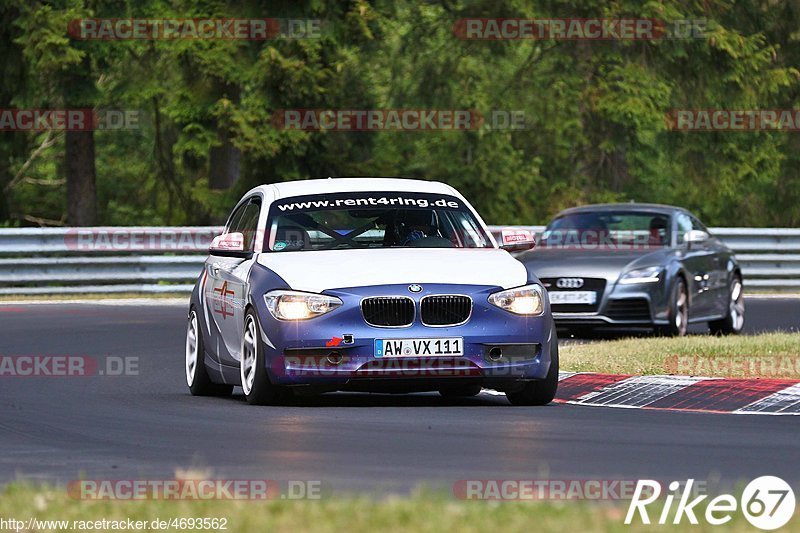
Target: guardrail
<point x="168" y="259"/>
<point x="770" y="257"/>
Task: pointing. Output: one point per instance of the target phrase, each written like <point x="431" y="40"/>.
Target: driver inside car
<point x="658" y="228"/>
<point x="413" y="227"/>
<point x="415" y="224"/>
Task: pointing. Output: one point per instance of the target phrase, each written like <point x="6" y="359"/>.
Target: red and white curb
<point x="681" y="393"/>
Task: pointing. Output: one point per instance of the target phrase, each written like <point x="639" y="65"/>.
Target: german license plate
<point x="449" y="346"/>
<point x="573" y="297"/>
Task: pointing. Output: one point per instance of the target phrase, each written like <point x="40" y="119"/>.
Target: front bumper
<point x="621" y="305"/>
<point x="337" y="349"/>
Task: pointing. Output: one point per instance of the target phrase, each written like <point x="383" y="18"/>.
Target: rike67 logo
<point x="767" y="503"/>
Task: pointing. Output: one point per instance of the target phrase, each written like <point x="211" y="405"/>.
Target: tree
<point x="63" y="78"/>
<point x="595" y="110"/>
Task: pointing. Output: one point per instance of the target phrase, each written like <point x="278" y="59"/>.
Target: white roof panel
<point x="333" y="185"/>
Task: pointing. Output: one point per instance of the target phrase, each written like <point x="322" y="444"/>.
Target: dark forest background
<point x="595" y="110"/>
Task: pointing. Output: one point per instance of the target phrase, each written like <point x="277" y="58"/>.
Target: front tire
<point x="258" y="390"/>
<point x="197" y="378"/>
<point x="678" y="314"/>
<point x="540" y="392"/>
<point x="733" y="323"/>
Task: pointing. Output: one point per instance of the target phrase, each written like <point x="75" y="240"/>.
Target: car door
<point x="718" y="288"/>
<point x="226" y="289"/>
<point x="698" y="260"/>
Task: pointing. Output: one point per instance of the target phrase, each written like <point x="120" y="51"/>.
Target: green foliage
<point x="595" y="110"/>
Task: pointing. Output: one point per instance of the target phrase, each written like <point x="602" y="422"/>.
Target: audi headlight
<point x="527" y="300"/>
<point x="641" y="275"/>
<point x="294" y="305"/>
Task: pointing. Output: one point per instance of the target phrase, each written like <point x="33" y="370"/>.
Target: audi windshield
<point x="604" y="228"/>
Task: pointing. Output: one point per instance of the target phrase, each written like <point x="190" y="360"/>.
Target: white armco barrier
<point x="169" y="259"/>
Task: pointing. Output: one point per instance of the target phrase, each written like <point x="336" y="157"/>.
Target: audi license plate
<point x="450" y="346"/>
<point x="573" y="297"/>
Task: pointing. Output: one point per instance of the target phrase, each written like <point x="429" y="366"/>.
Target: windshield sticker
<point x="384" y="200"/>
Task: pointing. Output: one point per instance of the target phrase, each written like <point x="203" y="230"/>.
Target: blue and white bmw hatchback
<point x="367" y="284"/>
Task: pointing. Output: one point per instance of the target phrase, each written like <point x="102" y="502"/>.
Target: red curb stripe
<point x="638" y="391"/>
<point x="707" y="395"/>
<point x="723" y="395"/>
<point x="12" y="309"/>
<point x="574" y="387"/>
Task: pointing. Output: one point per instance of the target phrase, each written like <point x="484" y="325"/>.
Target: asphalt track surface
<point x="147" y="425"/>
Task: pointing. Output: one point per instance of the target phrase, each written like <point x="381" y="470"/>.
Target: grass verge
<point x="421" y="511"/>
<point x="769" y="355"/>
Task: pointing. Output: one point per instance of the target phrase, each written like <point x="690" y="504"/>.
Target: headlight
<point x="641" y="275"/>
<point x="527" y="300"/>
<point x="293" y="305"/>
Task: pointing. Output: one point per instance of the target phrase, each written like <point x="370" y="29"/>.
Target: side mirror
<point x="696" y="236"/>
<point x="516" y="240"/>
<point x="228" y="244"/>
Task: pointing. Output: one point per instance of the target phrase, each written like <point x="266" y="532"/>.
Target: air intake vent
<point x="445" y="310"/>
<point x="388" y="311"/>
<point x="629" y="309"/>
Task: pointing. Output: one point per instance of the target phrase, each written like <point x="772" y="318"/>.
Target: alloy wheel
<point x="191" y="349"/>
<point x="249" y="355"/>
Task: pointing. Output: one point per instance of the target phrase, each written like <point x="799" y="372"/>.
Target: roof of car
<point x="632" y="206"/>
<point x="361" y="184"/>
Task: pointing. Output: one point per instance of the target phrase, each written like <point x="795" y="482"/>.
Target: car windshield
<point x="608" y="229"/>
<point x="373" y="220"/>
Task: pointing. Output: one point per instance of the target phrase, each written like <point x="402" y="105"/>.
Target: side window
<point x="684" y="225"/>
<point x="233" y="220"/>
<point x="244" y="220"/>
<point x="247" y="225"/>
